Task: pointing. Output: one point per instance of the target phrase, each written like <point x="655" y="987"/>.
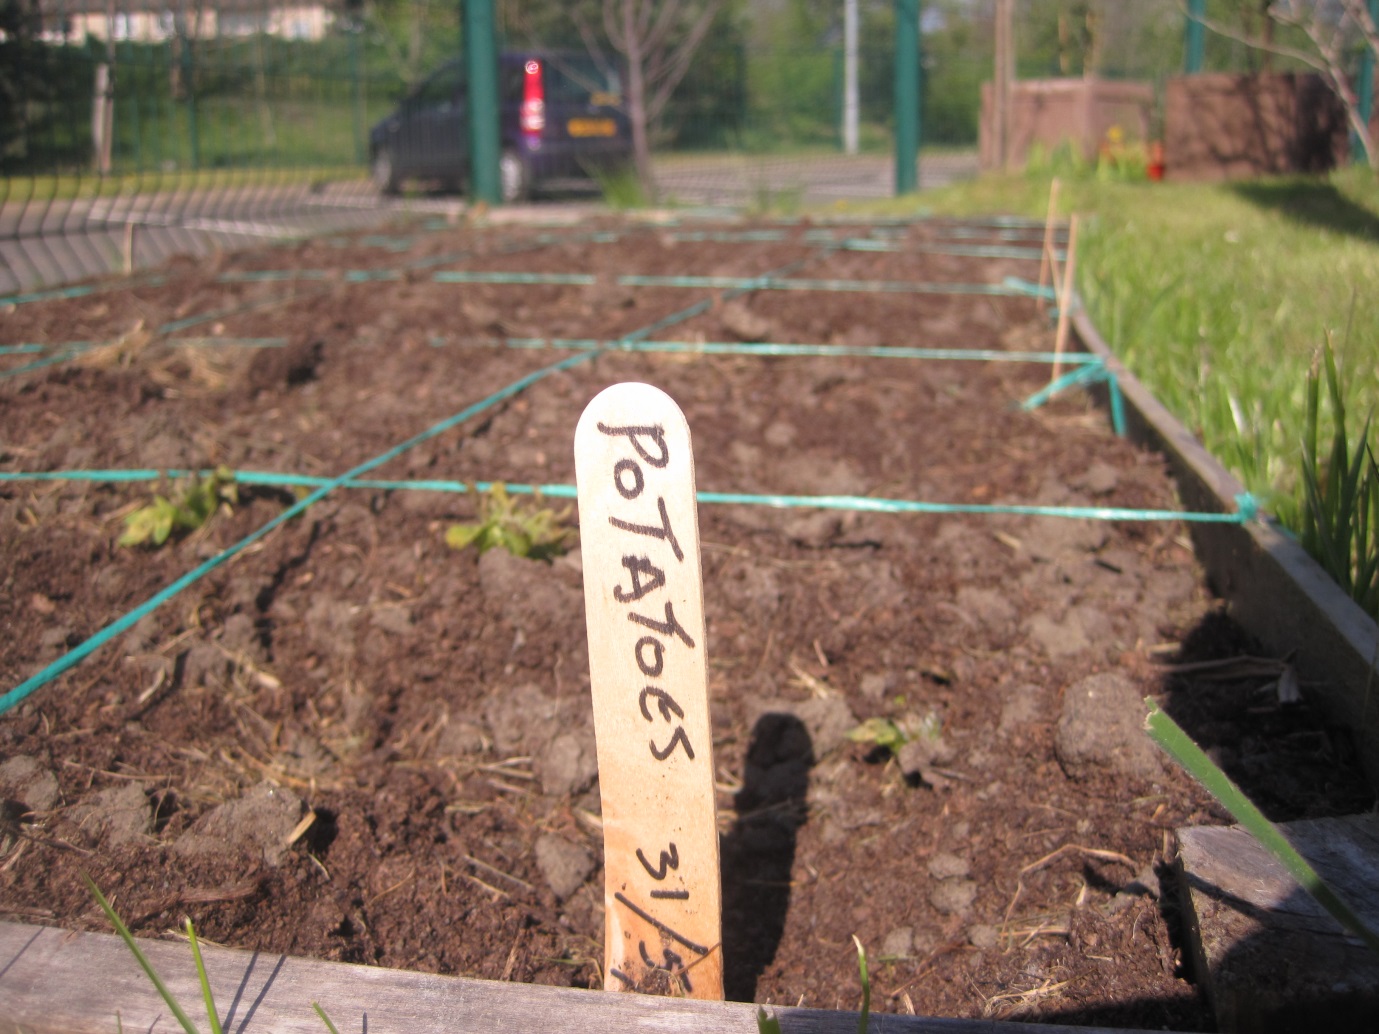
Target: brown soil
<point x="430" y="706"/>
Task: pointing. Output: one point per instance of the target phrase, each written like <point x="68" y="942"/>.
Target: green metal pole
<point x="481" y="53"/>
<point x="906" y="96"/>
<point x="1194" y="37"/>
<point x="357" y="81"/>
<point x="1366" y="88"/>
<point x="189" y="86"/>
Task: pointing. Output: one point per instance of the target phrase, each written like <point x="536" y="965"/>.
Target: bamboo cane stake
<point x="1048" y="261"/>
<point x="1065" y="301"/>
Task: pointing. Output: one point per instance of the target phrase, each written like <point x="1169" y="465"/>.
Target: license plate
<point x="591" y="127"/>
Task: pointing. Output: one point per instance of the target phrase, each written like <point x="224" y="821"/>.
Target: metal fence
<point x="135" y="129"/>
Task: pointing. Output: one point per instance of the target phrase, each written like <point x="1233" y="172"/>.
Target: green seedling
<point x="168" y="998"/>
<point x="324" y="1018"/>
<point x="1170" y="736"/>
<point x="1340" y="505"/>
<point x="893" y="734"/>
<point x="767" y="1024"/>
<point x="163" y="991"/>
<point x="155" y="523"/>
<point x="866" y="986"/>
<point x="519" y="527"/>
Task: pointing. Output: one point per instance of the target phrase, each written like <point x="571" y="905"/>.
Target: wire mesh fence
<point x="134" y="129"/>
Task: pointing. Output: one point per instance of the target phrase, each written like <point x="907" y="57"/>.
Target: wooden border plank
<point x="1275" y="590"/>
<point x="1270" y="956"/>
<point x="56" y="982"/>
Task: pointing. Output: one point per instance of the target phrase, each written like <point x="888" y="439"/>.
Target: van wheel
<point x="514" y="178"/>
<point x="383" y="171"/>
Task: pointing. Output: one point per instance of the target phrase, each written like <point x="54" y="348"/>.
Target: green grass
<point x="1173" y="740"/>
<point x="42" y="189"/>
<point x="1220" y="297"/>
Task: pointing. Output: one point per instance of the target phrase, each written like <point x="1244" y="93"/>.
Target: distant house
<point x="153" y="21"/>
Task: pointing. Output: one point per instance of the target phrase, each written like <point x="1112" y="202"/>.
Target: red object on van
<point x="532" y="118"/>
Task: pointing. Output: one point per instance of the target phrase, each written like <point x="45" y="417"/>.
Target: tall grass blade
<point x="206" y="994"/>
<point x="1170" y="736"/>
<point x="866" y="987"/>
<point x="767" y="1024"/>
<point x="331" y="1027"/>
<point x="138" y="952"/>
<point x="1339" y="515"/>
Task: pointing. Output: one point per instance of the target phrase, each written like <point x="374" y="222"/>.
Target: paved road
<point x="746" y="180"/>
<point x="46" y="242"/>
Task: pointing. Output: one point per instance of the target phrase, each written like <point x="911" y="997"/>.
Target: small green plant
<point x="768" y="1024"/>
<point x="1170" y="736"/>
<point x="865" y="1014"/>
<point x="893" y="734"/>
<point x="168" y="997"/>
<point x="154" y="524"/>
<point x="519" y="527"/>
<point x="1339" y="519"/>
<point x="324" y="1018"/>
<point x="120" y="928"/>
<point x="621" y="188"/>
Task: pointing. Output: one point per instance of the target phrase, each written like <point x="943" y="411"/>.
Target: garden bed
<point x="430" y="707"/>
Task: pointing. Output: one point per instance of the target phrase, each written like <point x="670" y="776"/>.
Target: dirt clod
<point x="255" y="826"/>
<point x="563" y="865"/>
<point x="1102" y="726"/>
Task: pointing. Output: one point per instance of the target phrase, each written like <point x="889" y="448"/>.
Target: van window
<point x="444" y="87"/>
<point x="577" y="79"/>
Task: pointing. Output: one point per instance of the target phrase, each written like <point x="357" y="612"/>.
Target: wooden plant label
<point x="644" y="603"/>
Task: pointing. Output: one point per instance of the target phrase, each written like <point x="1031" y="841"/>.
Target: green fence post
<point x="481" y="53"/>
<point x="1194" y="37"/>
<point x="906" y="96"/>
<point x="1366" y="88"/>
<point x="357" y="81"/>
<point x="188" y="62"/>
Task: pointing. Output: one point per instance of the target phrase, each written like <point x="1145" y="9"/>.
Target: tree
<point x="657" y="40"/>
<point x="1331" y="34"/>
<point x="23" y="77"/>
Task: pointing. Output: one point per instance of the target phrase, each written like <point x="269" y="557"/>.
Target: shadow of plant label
<point x="644" y="602"/>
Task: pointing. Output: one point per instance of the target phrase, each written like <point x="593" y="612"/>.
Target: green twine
<point x="81" y="290"/>
<point x="1092" y="371"/>
<point x="83" y="650"/>
<point x="1247" y="506"/>
<point x="770" y="348"/>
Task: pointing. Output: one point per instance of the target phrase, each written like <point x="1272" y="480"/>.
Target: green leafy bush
<point x="1339" y="519"/>
<point x="154" y="524"/>
<point x="517" y="526"/>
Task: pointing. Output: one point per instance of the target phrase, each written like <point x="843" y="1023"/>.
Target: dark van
<point x="560" y="121"/>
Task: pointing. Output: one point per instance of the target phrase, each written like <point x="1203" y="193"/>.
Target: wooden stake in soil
<point x="1048" y="258"/>
<point x="1065" y="301"/>
<point x="644" y="602"/>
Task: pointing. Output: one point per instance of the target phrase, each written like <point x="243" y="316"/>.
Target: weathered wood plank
<point x="1270" y="957"/>
<point x="1275" y="589"/>
<point x="57" y="982"/>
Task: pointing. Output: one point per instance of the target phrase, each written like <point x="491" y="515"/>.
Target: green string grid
<point x="122" y="624"/>
<point x="128" y="620"/>
<point x="1247" y="507"/>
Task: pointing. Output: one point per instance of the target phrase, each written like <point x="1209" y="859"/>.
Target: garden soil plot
<point x="430" y="707"/>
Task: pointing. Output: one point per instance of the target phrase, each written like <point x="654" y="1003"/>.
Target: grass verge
<point x="1220" y="297"/>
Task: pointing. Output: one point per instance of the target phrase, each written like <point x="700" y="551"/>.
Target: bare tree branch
<point x="679" y="62"/>
<point x="652" y="37"/>
<point x="1328" y="38"/>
